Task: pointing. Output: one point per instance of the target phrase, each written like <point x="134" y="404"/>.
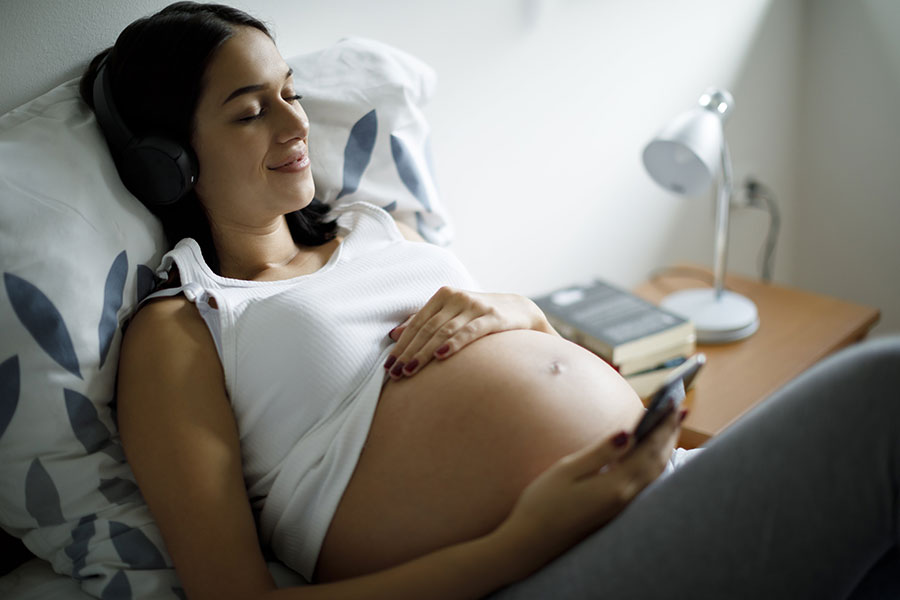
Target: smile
<point x="296" y="163"/>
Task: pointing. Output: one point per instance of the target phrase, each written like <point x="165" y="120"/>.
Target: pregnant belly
<point x="451" y="448"/>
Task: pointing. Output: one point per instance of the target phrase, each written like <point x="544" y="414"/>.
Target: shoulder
<point x="167" y="334"/>
<point x="174" y="315"/>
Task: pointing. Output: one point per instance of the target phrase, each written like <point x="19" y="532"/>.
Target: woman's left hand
<point x="453" y="318"/>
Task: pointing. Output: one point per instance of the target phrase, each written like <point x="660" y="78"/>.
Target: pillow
<point x="374" y="92"/>
<point x="77" y="253"/>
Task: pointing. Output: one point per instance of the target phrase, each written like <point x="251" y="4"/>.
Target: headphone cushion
<point x="157" y="170"/>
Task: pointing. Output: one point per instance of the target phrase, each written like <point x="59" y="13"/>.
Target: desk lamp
<point x="685" y="157"/>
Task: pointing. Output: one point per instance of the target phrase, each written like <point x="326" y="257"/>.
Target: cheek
<point x="227" y="164"/>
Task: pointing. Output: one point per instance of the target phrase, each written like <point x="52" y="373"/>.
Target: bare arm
<point x="182" y="442"/>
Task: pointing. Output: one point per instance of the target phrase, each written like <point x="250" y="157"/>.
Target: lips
<point x="295" y="159"/>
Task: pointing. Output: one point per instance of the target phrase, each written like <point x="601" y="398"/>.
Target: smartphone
<point x="668" y="394"/>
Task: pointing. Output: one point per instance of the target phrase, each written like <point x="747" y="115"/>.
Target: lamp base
<point x="717" y="320"/>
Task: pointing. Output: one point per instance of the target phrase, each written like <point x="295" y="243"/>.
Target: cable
<point x="757" y="192"/>
<point x="760" y="196"/>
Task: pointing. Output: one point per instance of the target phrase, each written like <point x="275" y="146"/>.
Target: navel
<point x="556" y="368"/>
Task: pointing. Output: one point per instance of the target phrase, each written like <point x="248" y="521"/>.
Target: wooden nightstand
<point x="797" y="329"/>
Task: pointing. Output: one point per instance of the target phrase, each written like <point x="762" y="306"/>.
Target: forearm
<point x="467" y="570"/>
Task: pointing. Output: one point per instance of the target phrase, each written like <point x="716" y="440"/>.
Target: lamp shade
<point x="685" y="156"/>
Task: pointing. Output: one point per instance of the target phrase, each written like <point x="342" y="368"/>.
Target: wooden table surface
<point x="797" y="329"/>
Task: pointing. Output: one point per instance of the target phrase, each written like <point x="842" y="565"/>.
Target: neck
<point x="248" y="252"/>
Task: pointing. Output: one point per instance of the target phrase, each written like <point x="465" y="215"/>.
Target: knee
<point x="870" y="369"/>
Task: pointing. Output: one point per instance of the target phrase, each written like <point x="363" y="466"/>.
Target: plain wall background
<point x="543" y="108"/>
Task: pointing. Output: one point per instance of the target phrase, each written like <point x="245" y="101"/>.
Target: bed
<point x="78" y="253"/>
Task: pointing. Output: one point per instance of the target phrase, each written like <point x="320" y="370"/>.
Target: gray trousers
<point x="799" y="499"/>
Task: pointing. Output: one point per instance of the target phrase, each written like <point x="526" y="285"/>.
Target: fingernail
<point x="443" y="350"/>
<point x="397" y="371"/>
<point x="411" y="366"/>
<point x="390" y="361"/>
<point x="682" y="415"/>
<point x="620" y="439"/>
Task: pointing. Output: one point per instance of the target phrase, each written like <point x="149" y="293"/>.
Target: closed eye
<point x="294" y="98"/>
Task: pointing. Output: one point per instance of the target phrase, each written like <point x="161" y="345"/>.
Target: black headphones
<point x="157" y="170"/>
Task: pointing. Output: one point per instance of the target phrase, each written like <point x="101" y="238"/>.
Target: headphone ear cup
<point x="158" y="170"/>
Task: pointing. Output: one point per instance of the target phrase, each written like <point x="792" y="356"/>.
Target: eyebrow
<point x="247" y="89"/>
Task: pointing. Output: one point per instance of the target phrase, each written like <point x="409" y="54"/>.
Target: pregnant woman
<point x="325" y="382"/>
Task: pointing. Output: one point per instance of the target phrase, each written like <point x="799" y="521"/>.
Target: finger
<point x="648" y="459"/>
<point x="430" y="336"/>
<point x="466" y="334"/>
<point x="450" y="337"/>
<point x="595" y="457"/>
<point x="410" y="357"/>
<point x="398" y="330"/>
<point x="443" y="298"/>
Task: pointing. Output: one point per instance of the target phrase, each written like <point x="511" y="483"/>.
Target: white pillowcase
<point x="77" y="252"/>
<point x="368" y="135"/>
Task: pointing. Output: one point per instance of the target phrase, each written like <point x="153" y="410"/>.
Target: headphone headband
<point x="114" y="129"/>
<point x="158" y="171"/>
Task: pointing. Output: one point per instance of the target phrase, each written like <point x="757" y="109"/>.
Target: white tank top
<point x="303" y="360"/>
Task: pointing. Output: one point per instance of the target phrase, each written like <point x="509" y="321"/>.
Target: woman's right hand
<point x="584" y="491"/>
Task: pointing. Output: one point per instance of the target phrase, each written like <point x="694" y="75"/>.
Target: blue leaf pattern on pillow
<point x="429" y="158"/>
<point x="112" y="302"/>
<point x="115" y="452"/>
<point x="118" y="588"/>
<point x="409" y="174"/>
<point x="92" y="434"/>
<point x="43" y="321"/>
<point x="41" y="497"/>
<point x="117" y="490"/>
<point x="77" y="551"/>
<point x="9" y="391"/>
<point x="358" y="151"/>
<point x="391" y="207"/>
<point x="134" y="547"/>
<point x="144" y="281"/>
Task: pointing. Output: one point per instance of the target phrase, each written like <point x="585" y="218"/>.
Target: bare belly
<point x="451" y="448"/>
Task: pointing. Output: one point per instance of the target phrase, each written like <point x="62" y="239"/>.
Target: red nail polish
<point x="411" y="366"/>
<point x="620" y="439"/>
<point x="682" y="415"/>
<point x="443" y="350"/>
<point x="391" y="359"/>
<point x="397" y="371"/>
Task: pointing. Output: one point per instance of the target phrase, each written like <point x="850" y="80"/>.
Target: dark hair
<point x="157" y="73"/>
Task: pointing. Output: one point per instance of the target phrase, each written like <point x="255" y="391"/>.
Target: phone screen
<point x="670" y="392"/>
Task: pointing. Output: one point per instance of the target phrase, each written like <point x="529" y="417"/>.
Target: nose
<point x="293" y="122"/>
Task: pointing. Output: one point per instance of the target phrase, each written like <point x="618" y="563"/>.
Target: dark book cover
<point x="611" y="321"/>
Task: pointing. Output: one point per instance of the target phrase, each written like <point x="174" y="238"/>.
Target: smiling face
<point x="250" y="136"/>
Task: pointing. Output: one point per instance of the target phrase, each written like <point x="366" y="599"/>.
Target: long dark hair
<point x="157" y="73"/>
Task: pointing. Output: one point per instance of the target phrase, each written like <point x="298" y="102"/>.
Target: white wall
<point x="848" y="213"/>
<point x="542" y="109"/>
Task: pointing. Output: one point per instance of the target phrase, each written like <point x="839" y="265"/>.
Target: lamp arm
<point x="723" y="203"/>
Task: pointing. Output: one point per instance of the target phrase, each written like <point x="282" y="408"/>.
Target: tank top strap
<point x="193" y="285"/>
<point x="366" y="226"/>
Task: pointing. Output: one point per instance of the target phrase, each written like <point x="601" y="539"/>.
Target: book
<point x="657" y="359"/>
<point x="645" y="383"/>
<point x="613" y="323"/>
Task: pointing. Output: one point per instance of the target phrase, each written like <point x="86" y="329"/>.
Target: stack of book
<point x="639" y="339"/>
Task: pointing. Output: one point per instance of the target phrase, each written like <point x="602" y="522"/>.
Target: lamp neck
<point x="723" y="203"/>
